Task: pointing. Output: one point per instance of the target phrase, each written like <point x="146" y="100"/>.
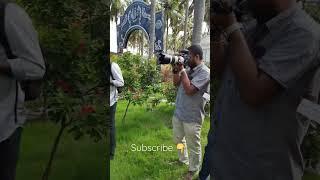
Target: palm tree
<point x="171" y="9"/>
<point x="117" y="7"/>
<point x="186" y="8"/>
<point x="207" y="14"/>
<point x="175" y="13"/>
<point x="175" y="16"/>
<point x="141" y="42"/>
<point x="199" y="11"/>
<point x="133" y="39"/>
<point x="152" y="28"/>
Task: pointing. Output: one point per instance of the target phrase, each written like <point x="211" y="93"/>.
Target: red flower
<point x="64" y="86"/>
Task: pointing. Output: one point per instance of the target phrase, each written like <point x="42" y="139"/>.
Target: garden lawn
<point x="151" y="128"/>
<point x="75" y="160"/>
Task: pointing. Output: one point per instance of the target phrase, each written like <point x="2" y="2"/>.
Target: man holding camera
<point x="264" y="71"/>
<point x="193" y="85"/>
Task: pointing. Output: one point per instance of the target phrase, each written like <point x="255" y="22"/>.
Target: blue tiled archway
<point x="137" y="17"/>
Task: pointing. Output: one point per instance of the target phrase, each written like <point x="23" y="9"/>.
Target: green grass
<point x="149" y="128"/>
<point x="75" y="160"/>
<point x="311" y="177"/>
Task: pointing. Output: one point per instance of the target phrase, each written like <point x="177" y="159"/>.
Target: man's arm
<point x="278" y="69"/>
<point x="255" y="86"/>
<point x="23" y="40"/>
<point x="176" y="77"/>
<point x="219" y="62"/>
<point x="117" y="75"/>
<point x="180" y="76"/>
<point x="188" y="87"/>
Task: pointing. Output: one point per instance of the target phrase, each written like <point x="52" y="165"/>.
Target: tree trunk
<point x="54" y="149"/>
<point x="152" y="28"/>
<point x="186" y="6"/>
<point x="135" y="41"/>
<point x="167" y="32"/>
<point x="199" y="9"/>
<point x="141" y="43"/>
<point x="125" y="113"/>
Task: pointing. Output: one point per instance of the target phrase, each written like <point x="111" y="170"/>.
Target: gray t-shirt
<point x="264" y="143"/>
<point x="191" y="108"/>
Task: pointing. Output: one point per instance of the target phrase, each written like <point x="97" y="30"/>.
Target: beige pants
<point x="189" y="135"/>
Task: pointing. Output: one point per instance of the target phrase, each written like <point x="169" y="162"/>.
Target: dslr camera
<point x="182" y="58"/>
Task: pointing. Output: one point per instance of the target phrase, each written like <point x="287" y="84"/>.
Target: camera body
<point x="182" y="58"/>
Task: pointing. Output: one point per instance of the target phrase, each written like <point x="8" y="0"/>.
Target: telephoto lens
<point x="181" y="58"/>
<point x="169" y="59"/>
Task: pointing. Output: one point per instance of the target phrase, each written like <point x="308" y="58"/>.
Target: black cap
<point x="196" y="50"/>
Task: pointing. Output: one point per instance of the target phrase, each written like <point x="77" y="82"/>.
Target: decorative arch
<point x="131" y="30"/>
<point x="137" y="17"/>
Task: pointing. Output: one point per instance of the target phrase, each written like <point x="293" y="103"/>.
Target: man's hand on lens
<point x="176" y="68"/>
<point x="180" y="66"/>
